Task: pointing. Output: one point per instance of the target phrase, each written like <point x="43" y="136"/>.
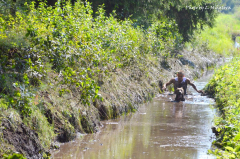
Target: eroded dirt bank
<point x="122" y="91"/>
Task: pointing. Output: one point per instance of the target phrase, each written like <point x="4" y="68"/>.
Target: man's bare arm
<point x="167" y="84"/>
<point x="194" y="87"/>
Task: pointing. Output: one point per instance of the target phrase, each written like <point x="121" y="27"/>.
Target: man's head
<point x="180" y="75"/>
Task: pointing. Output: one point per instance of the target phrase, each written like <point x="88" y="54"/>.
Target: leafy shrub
<point x="227" y="94"/>
<point x="78" y="46"/>
<point x="15" y="156"/>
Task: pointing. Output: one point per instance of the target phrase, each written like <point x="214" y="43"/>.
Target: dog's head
<point x="180" y="91"/>
<point x="180" y="94"/>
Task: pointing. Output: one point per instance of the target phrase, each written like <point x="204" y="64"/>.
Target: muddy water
<point x="160" y="129"/>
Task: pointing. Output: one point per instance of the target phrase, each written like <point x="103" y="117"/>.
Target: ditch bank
<point x="122" y="91"/>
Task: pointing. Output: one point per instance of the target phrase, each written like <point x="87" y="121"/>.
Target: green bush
<point x="227" y="94"/>
<point x="78" y="46"/>
<point x="15" y="156"/>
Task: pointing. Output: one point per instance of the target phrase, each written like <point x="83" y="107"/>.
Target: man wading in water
<point x="180" y="86"/>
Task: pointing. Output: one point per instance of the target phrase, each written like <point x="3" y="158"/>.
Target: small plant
<point x="14" y="156"/>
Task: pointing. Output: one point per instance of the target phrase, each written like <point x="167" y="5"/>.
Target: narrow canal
<point x="160" y="129"/>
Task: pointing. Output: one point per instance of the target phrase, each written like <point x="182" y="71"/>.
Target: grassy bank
<point x="224" y="84"/>
<point x="225" y="87"/>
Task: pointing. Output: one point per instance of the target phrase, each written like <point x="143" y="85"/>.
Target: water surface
<point x="160" y="129"/>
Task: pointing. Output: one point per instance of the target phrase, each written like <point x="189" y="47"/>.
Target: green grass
<point x="219" y="38"/>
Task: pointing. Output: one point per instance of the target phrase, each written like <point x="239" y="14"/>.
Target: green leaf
<point x="232" y="156"/>
<point x="237" y="137"/>
<point x="229" y="148"/>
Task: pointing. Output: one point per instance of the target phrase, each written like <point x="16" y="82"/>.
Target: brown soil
<point x="23" y="139"/>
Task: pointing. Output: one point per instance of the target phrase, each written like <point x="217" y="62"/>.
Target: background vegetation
<point x="224" y="86"/>
<point x="146" y="12"/>
<point x="219" y="38"/>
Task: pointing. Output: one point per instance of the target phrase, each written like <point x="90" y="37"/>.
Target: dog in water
<point x="179" y="95"/>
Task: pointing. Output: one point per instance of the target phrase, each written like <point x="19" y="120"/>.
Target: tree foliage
<point x="145" y="12"/>
<point x="230" y="3"/>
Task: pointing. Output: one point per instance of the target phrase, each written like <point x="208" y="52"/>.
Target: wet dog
<point x="179" y="95"/>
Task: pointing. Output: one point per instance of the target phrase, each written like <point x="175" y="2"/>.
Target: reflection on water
<point x="160" y="129"/>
